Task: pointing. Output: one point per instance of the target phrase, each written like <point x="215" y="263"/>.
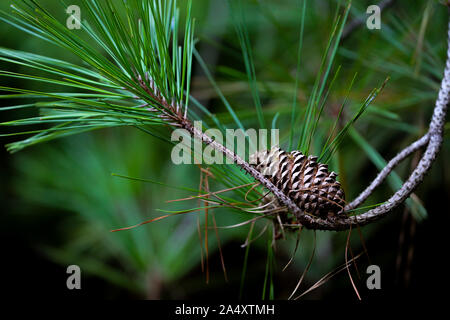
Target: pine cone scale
<point x="308" y="183"/>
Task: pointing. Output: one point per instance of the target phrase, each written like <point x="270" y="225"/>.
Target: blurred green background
<point x="59" y="200"/>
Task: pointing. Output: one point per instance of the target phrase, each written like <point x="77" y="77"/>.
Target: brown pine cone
<point x="308" y="183"/>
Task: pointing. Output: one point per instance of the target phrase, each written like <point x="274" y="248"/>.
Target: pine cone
<point x="308" y="183"/>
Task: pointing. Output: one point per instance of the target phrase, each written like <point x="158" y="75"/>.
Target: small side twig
<point x="387" y="170"/>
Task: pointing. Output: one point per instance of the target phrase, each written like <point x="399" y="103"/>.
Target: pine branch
<point x="158" y="79"/>
<point x="433" y="140"/>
